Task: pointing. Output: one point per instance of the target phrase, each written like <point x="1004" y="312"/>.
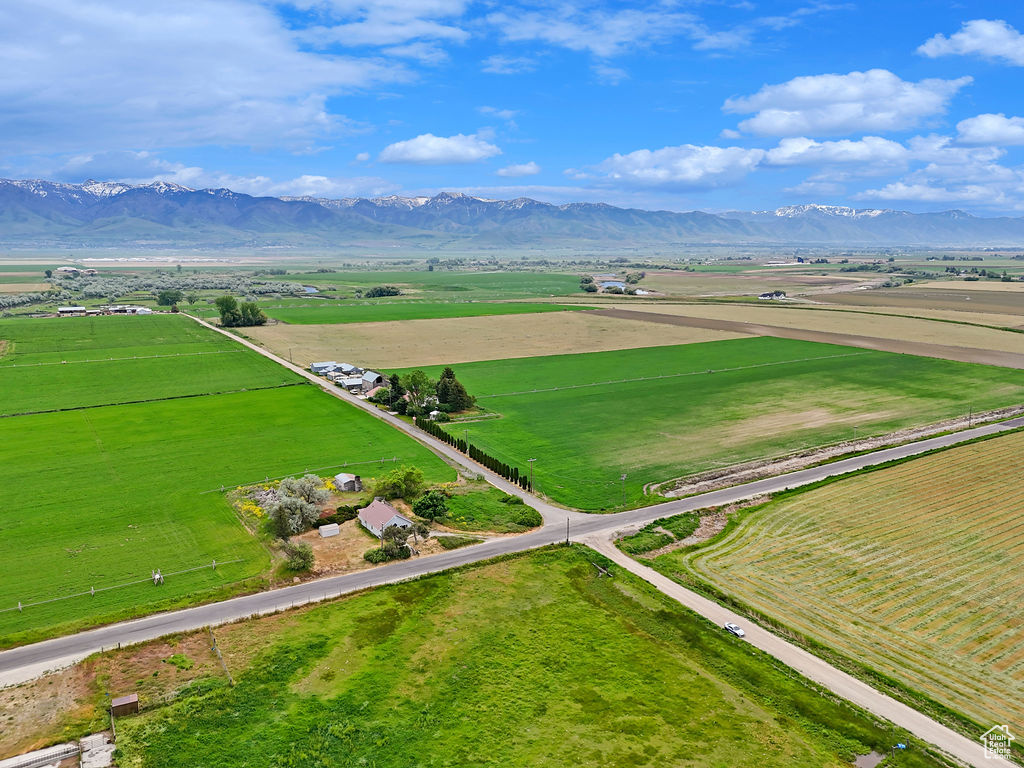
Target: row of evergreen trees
<point x="507" y="471"/>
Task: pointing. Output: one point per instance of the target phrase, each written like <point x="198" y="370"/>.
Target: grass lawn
<point x="483" y="510"/>
<point x="529" y="661"/>
<point x="662" y="412"/>
<point x="59" y="363"/>
<point x="914" y="570"/>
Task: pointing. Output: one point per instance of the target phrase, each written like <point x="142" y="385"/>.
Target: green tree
<point x="418" y="385"/>
<point x="289" y="515"/>
<point x="310" y="488"/>
<point x="230" y="316"/>
<point x="252" y="314"/>
<point x="49" y="273"/>
<point x="298" y="556"/>
<point x="404" y="482"/>
<point x="169" y="297"/>
<point x="432" y="505"/>
<point x="193" y="298"/>
<point x="450" y="392"/>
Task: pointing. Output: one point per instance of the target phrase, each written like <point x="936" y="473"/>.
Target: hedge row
<point x="513" y="474"/>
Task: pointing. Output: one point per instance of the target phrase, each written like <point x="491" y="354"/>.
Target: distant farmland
<point x="101" y="496"/>
<point x="661" y="412"/>
<point x="57" y="363"/>
<point x="914" y="570"/>
<point x="337" y="312"/>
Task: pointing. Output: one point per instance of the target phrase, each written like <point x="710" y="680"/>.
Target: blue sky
<point x="676" y="105"/>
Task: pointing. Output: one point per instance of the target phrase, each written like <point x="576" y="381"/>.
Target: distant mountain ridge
<point x="162" y="214"/>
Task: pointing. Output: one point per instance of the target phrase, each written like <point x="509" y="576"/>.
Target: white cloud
<point x="508" y="65"/>
<point x="428" y="149"/>
<point x="816" y="189"/>
<point x="382" y="22"/>
<point x="426" y="53"/>
<point x="610" y="75"/>
<point x="503" y="114"/>
<point x="870" y="150"/>
<point x="924" y="193"/>
<point x="990" y="39"/>
<point x="991" y="129"/>
<point x="602" y="33"/>
<point x="876" y="100"/>
<point x="363" y="157"/>
<point x="685" y="166"/>
<point x="522" y="169"/>
<point x="147" y="167"/>
<point x="114" y="73"/>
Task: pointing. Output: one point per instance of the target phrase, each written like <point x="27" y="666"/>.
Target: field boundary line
<point x="116" y="359"/>
<point x="152" y="400"/>
<point x="675" y="375"/>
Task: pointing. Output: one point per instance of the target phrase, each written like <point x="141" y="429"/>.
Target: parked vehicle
<point x="734" y="629"/>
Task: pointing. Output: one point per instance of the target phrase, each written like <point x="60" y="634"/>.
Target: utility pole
<point x="970" y="416"/>
<point x="567" y="531"/>
<point x="531" y="473"/>
<point x="623" y="478"/>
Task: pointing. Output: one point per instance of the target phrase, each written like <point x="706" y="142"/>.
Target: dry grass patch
<point x="23" y="287"/>
<point x="459" y="340"/>
<point x="937" y="296"/>
<point x="676" y="283"/>
<point x="913" y="570"/>
<point x="998" y="286"/>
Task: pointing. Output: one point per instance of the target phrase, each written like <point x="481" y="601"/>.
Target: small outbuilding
<point x="331" y="529"/>
<point x="380" y="515"/>
<point x="371" y="380"/>
<point x="125" y="705"/>
<point x="350" y="370"/>
<point x="322" y="368"/>
<point x="352" y="383"/>
<point x="344" y="481"/>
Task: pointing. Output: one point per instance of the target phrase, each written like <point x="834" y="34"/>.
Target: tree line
<point x="508" y="471"/>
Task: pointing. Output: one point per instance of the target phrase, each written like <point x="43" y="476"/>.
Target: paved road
<point x="27" y="662"/>
<point x="810" y="666"/>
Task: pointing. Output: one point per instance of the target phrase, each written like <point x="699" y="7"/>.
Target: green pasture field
<point x="528" y="661"/>
<point x="447" y="284"/>
<point x="336" y="312"/>
<point x="73" y="362"/>
<point x="101" y="496"/>
<point x="664" y="412"/>
<point x="913" y="570"/>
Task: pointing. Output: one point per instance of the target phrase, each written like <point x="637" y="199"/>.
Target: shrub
<point x="298" y="556"/>
<point x="508" y="498"/>
<point x="528" y="517"/>
<point x="431" y="505"/>
<point x="385" y="554"/>
<point x="454" y="542"/>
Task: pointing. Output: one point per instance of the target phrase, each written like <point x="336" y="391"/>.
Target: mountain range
<point x="37" y="213"/>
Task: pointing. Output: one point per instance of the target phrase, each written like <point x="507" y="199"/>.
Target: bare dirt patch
<point x="783" y="421"/>
<point x="4" y="344"/>
<point x="344" y="553"/>
<point x="468" y="339"/>
<point x="757" y="470"/>
<point x="71" y="703"/>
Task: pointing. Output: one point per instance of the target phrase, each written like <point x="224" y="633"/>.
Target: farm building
<point x="322" y="368"/>
<point x="70" y="311"/>
<point x="126" y="309"/>
<point x="371" y="380"/>
<point x="350" y="370"/>
<point x="344" y="481"/>
<point x="67" y="271"/>
<point x="351" y="383"/>
<point x="380" y="515"/>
